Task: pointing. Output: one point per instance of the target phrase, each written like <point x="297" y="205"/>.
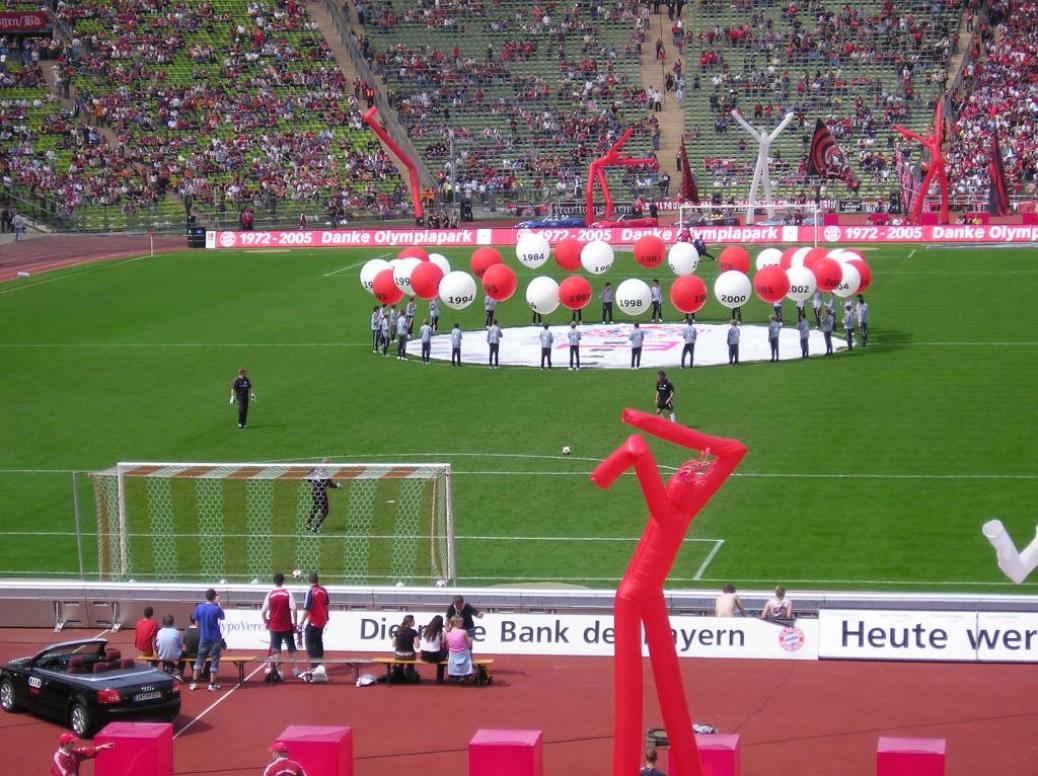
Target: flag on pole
<point x="689" y="190"/>
<point x="907" y="180"/>
<point x="825" y="159"/>
<point x="998" y="196"/>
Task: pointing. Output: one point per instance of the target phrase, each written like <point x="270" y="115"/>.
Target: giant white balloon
<point x="542" y="294"/>
<point x="369" y="270"/>
<point x="798" y="256"/>
<point x="532" y="250"/>
<point x="802" y="283"/>
<point x="402" y="273"/>
<point x="850" y="281"/>
<point x="597" y="257"/>
<point x="633" y="297"/>
<point x="458" y="290"/>
<point x="682" y="258"/>
<point x="769" y="257"/>
<point x="440" y="261"/>
<point x="733" y="288"/>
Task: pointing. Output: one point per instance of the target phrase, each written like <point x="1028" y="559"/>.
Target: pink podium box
<point x="141" y="749"/>
<point x="506" y="753"/>
<point x="321" y="750"/>
<point x="910" y="756"/>
<point x="718" y="754"/>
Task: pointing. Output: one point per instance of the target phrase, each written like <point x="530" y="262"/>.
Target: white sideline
<point x="718" y="544"/>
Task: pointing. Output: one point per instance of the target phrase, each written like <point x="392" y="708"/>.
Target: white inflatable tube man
<point x="1015" y="565"/>
<point x="760" y="173"/>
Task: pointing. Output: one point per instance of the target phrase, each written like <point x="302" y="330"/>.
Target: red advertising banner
<point x="752" y="235"/>
<point x="23" y="21"/>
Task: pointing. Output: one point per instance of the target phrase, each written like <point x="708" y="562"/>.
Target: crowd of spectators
<point x="999" y="94"/>
<point x="241" y="104"/>
<point x="860" y="69"/>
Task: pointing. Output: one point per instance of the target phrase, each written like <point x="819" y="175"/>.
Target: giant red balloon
<point x="482" y="258"/>
<point x="425" y="280"/>
<point x="827" y="273"/>
<point x="814" y="255"/>
<point x="688" y="293"/>
<point x="416" y="253"/>
<point x="650" y="251"/>
<point x="384" y="289"/>
<point x="567" y="253"/>
<point x="771" y="284"/>
<point x="865" y="271"/>
<point x="499" y="282"/>
<point x="734" y="257"/>
<point x="574" y="292"/>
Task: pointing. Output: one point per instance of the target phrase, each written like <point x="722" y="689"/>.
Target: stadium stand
<point x="532" y="93"/>
<point x="860" y="68"/>
<point x="207" y="108"/>
<point x="999" y="92"/>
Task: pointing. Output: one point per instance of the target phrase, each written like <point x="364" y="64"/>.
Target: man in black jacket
<point x="466" y="612"/>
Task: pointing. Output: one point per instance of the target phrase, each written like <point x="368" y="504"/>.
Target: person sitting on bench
<point x="459" y="651"/>
<point x="430" y="645"/>
<point x="403" y="648"/>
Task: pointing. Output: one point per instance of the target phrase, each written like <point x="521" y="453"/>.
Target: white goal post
<point x="356" y="523"/>
<point x="786" y="214"/>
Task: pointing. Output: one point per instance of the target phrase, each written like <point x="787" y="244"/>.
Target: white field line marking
<point x="93" y="265"/>
<point x="976" y="344"/>
<point x="910" y="255"/>
<point x="718" y="544"/>
<point x="214" y="704"/>
<point x="372" y="536"/>
<point x="798" y="582"/>
<point x="355" y="265"/>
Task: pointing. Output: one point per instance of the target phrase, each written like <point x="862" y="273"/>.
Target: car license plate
<point x="147" y="696"/>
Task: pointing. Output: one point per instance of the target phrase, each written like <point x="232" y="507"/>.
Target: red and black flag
<point x="689" y="190"/>
<point x="998" y="197"/>
<point x="825" y="159"/>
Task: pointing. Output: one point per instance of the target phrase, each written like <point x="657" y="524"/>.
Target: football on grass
<point x="566" y="450"/>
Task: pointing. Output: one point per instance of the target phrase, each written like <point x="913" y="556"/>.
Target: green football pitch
<point x="869" y="470"/>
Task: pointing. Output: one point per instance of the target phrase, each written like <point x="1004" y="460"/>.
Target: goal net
<point x="779" y="214"/>
<point x="353" y="523"/>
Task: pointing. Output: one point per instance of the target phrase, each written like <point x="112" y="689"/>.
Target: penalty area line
<point x="215" y="703"/>
<point x="718" y="544"/>
<point x="355" y="265"/>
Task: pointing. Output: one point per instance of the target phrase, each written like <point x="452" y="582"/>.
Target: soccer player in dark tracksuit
<point x="665" y="395"/>
<point x="700" y="245"/>
<point x="319" y="485"/>
<point x="241" y="392"/>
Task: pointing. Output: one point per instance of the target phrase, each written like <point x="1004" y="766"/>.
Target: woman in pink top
<point x="459" y="650"/>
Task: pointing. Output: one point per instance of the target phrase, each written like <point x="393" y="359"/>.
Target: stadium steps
<point x="672" y="119"/>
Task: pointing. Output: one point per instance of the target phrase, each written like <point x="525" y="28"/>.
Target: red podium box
<point x="141" y="749"/>
<point x="718" y="754"/>
<point x="910" y="756"/>
<point x="506" y="753"/>
<point x="322" y="750"/>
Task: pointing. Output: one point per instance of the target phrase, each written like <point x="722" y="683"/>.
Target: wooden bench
<point x="238" y="661"/>
<point x="482" y="666"/>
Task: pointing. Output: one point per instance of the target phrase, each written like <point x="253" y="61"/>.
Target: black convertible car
<point x="86" y="684"/>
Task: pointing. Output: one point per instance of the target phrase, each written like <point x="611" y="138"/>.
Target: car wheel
<point x="7" y="701"/>
<point x="81" y="720"/>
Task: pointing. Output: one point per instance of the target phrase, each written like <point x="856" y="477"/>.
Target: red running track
<point x="51" y="252"/>
<point x="804" y="718"/>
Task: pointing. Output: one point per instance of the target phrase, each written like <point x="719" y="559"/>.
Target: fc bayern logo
<point x="831" y="233"/>
<point x="791" y="639"/>
<point x="227" y="239"/>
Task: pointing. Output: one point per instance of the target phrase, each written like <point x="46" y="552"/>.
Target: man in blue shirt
<point x="650" y="768"/>
<point x="210" y="640"/>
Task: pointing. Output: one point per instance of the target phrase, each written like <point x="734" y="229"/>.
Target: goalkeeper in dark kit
<point x="319" y="485"/>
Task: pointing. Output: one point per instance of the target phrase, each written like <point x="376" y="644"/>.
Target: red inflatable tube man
<point x="639" y="599"/>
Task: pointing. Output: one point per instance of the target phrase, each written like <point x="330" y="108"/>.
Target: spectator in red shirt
<point x="282" y="766"/>
<point x="145" y="632"/>
<point x="316" y="617"/>
<point x="68" y="757"/>
<point x="279" y="613"/>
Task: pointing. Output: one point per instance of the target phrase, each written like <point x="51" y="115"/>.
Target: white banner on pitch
<point x="544" y="634"/>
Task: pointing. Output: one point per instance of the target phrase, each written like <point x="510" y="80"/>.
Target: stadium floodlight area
<point x="386" y="523"/>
